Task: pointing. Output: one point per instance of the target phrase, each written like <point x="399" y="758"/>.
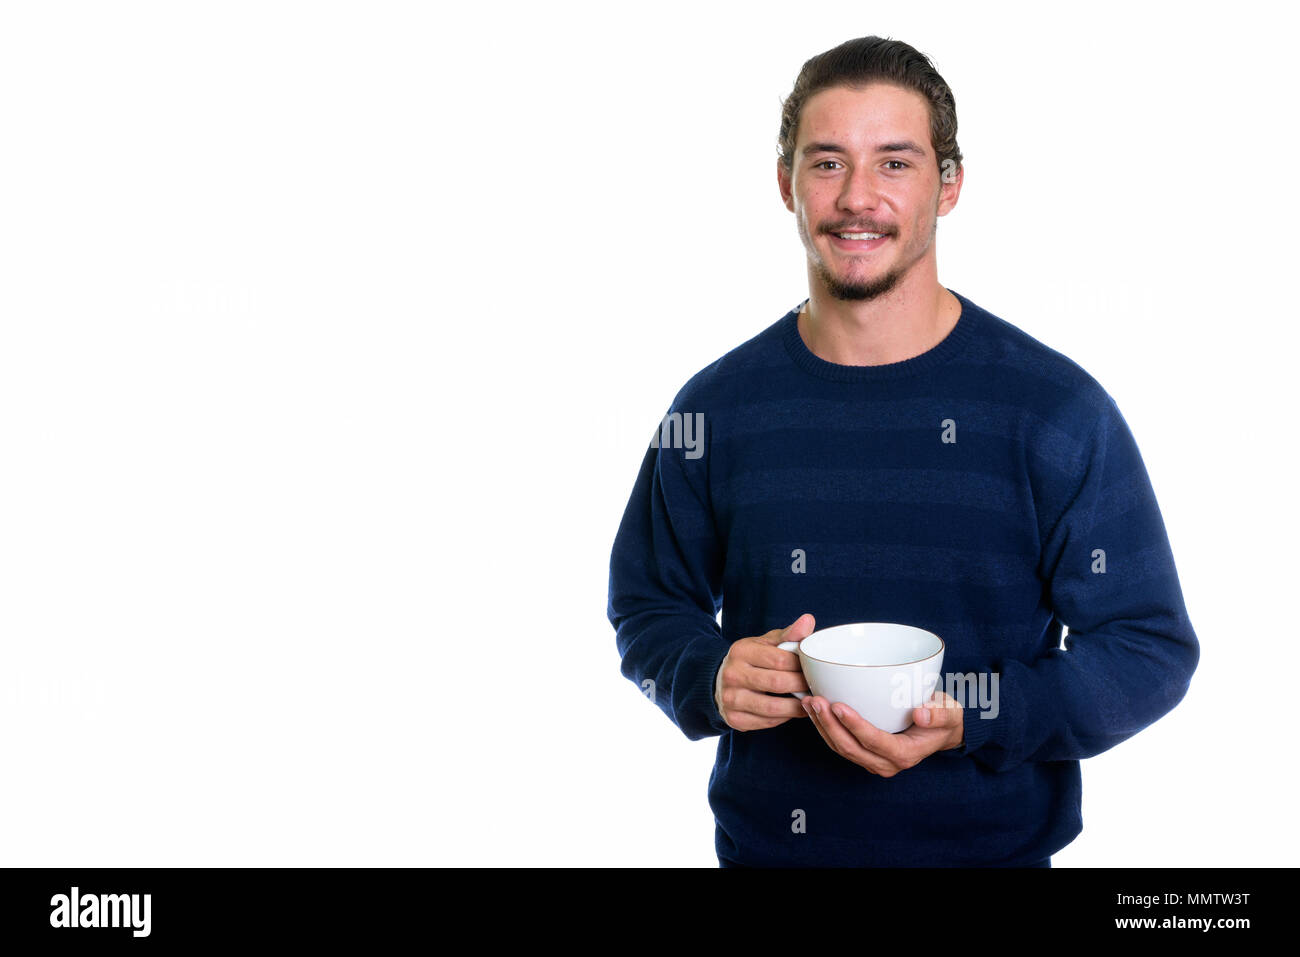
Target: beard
<point x="858" y="291"/>
<point x="865" y="290"/>
<point x="853" y="290"/>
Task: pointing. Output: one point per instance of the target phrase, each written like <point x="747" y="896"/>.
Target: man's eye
<point x="901" y="164"/>
<point x="826" y="163"/>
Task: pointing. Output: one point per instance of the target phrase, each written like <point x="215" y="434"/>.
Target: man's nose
<point x="860" y="191"/>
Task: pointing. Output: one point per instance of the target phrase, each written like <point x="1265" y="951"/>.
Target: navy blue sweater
<point x="987" y="490"/>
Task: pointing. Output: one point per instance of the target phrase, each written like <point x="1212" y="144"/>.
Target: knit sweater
<point x="987" y="490"/>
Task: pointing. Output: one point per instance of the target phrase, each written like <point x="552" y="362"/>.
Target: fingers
<point x="941" y="711"/>
<point x="743" y="721"/>
<point x="747" y="710"/>
<point x="755" y="673"/>
<point x="865" y="735"/>
<point x="853" y="737"/>
<point x="760" y="667"/>
<point x="770" y="657"/>
<point x="842" y="735"/>
<point x="770" y="680"/>
<point x="941" y="717"/>
<point x="761" y="705"/>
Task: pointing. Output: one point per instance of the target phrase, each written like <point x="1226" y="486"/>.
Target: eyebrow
<point x="902" y="146"/>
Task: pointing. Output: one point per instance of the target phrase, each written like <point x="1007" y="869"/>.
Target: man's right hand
<point x="755" y="671"/>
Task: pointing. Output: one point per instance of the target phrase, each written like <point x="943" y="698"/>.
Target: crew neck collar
<point x="945" y="349"/>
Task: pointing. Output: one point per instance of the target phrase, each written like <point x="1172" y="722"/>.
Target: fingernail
<point x="925" y="715"/>
<point x="839" y="712"/>
<point x="817" y="708"/>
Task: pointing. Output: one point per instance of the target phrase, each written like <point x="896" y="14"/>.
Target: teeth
<point x="860" y="235"/>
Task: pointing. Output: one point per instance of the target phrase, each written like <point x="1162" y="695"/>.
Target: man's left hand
<point x="937" y="726"/>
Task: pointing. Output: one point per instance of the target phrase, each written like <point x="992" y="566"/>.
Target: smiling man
<point x="889" y="451"/>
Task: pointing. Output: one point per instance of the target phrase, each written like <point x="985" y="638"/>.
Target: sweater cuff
<point x="976" y="731"/>
<point x="704" y="695"/>
<point x="715" y="713"/>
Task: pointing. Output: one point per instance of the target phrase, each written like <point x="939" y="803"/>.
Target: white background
<point x="332" y="334"/>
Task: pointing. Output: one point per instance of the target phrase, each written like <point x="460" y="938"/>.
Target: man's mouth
<point x="858" y="242"/>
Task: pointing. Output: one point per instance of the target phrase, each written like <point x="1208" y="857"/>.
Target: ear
<point x="950" y="181"/>
<point x="785" y="184"/>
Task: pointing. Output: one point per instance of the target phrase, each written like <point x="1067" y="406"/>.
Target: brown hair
<point x="874" y="59"/>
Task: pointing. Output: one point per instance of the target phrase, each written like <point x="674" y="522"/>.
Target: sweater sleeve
<point x="1130" y="650"/>
<point x="665" y="587"/>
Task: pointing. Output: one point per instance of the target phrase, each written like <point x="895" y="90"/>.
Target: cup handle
<point x="792" y="646"/>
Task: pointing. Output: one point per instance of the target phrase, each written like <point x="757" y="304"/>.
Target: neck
<point x="912" y="318"/>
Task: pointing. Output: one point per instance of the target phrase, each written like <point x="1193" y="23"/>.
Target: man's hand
<point x="755" y="671"/>
<point x="937" y="726"/>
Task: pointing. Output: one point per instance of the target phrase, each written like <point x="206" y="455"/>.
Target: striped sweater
<point x="987" y="490"/>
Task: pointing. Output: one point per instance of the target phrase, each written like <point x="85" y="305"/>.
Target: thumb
<point x="801" y="628"/>
<point x="940" y="711"/>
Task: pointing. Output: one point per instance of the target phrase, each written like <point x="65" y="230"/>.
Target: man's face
<point x="863" y="163"/>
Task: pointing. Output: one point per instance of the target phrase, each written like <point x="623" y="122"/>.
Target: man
<point x="889" y="451"/>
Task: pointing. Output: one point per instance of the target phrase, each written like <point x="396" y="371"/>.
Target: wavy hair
<point x="874" y="59"/>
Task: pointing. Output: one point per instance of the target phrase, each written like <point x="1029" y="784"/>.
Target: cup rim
<point x="893" y="664"/>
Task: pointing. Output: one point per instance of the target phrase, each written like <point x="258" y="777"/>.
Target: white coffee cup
<point x="882" y="670"/>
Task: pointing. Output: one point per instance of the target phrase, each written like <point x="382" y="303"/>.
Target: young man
<point x="889" y="451"/>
